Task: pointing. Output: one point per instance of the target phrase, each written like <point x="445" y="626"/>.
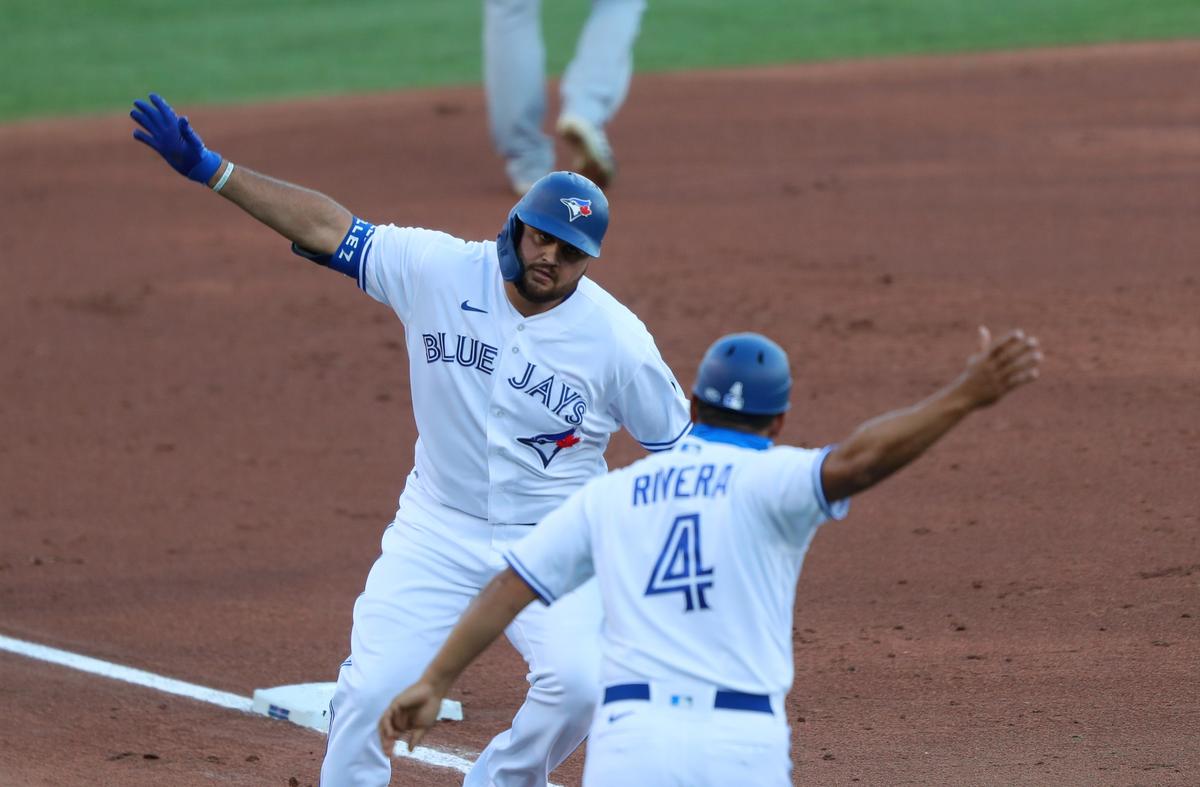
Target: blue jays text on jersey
<point x="544" y="391"/>
<point x="467" y="351"/>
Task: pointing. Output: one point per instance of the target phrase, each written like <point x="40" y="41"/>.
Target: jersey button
<point x="516" y="349"/>
<point x="521" y="327"/>
<point x="498" y="413"/>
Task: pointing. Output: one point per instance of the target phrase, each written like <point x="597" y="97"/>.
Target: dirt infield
<point x="202" y="436"/>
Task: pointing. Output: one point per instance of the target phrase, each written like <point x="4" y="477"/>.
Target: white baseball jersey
<point x="698" y="551"/>
<point x="513" y="412"/>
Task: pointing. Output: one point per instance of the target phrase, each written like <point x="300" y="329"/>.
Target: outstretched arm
<point x="887" y="443"/>
<point x="307" y="218"/>
<point x="416" y="707"/>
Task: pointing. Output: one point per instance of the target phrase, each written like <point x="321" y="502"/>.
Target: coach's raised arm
<point x="883" y="445"/>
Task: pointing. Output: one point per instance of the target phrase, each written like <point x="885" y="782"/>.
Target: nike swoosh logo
<point x="619" y="716"/>
<point x="467" y="307"/>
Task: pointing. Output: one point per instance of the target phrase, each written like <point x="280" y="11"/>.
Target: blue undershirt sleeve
<point x="349" y="256"/>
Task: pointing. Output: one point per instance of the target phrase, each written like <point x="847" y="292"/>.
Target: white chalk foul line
<point x="191" y="690"/>
<point x="128" y="674"/>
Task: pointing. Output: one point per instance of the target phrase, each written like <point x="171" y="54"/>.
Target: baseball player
<point x="521" y="368"/>
<point x="698" y="552"/>
<point x="593" y="86"/>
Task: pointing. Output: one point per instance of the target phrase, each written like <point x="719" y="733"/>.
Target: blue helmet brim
<point x="561" y="229"/>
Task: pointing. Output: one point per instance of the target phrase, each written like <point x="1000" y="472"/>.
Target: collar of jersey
<point x="716" y="434"/>
<point x="570" y="306"/>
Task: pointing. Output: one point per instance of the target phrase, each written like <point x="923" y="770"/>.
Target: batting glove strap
<point x="209" y="160"/>
<point x="173" y="138"/>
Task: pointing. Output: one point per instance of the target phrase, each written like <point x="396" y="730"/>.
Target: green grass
<point x="86" y="56"/>
<point x="772" y="31"/>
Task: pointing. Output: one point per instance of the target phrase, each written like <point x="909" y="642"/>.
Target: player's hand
<point x="172" y="138"/>
<point x="415" y="709"/>
<point x="1000" y="366"/>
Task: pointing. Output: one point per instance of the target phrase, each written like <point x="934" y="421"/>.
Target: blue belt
<point x="726" y="699"/>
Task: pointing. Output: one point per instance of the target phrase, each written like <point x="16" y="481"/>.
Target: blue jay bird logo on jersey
<point x="577" y="206"/>
<point x="679" y="568"/>
<point x="547" y="446"/>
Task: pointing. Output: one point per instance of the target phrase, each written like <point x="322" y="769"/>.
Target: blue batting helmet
<point x="563" y="204"/>
<point x="745" y="372"/>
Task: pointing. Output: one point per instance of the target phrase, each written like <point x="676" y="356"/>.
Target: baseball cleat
<point x="593" y="155"/>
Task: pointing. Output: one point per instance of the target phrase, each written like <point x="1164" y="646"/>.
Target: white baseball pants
<point x="677" y="738"/>
<point x="435" y="560"/>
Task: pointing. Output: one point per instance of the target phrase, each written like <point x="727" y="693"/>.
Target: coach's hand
<point x="173" y="138"/>
<point x="416" y="709"/>
<point x="1000" y="366"/>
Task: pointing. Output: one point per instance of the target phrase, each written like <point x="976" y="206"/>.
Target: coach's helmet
<point x="746" y="373"/>
<point x="563" y="204"/>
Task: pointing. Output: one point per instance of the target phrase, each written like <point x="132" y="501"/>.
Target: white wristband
<point x="220" y="184"/>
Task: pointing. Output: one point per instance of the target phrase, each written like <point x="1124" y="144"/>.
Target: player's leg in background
<point x="514" y="77"/>
<point x="595" y="85"/>
<point x="597" y="80"/>
<point x="416" y="591"/>
<point x="561" y="645"/>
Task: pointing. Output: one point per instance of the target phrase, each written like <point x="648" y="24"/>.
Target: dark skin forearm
<point x="884" y="444"/>
<point x="310" y="219"/>
<point x="416" y="707"/>
<point x="485" y="619"/>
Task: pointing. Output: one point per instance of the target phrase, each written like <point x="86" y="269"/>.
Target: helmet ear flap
<point x="511" y="267"/>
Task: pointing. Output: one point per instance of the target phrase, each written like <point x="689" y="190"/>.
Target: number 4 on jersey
<point x="679" y="568"/>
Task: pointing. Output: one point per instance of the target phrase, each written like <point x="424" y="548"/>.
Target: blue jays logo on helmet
<point x="745" y="372"/>
<point x="542" y="207"/>
<point x="547" y="446"/>
<point x="578" y="207"/>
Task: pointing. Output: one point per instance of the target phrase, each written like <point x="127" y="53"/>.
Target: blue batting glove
<point x="172" y="138"/>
